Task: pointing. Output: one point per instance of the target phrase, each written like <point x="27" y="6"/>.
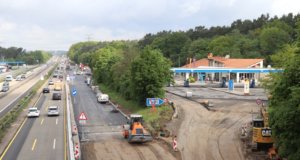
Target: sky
<point x="57" y="24"/>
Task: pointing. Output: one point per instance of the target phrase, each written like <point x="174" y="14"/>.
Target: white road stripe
<point x="56" y="121"/>
<point x="54" y="141"/>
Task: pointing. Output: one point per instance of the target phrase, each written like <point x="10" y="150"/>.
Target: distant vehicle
<point x="103" y="98"/>
<point x="5" y="86"/>
<point x="19" y="78"/>
<point x="23" y="76"/>
<point x="50" y="82"/>
<point x="57" y="86"/>
<point x="53" y="111"/>
<point x="46" y="90"/>
<point x="33" y="112"/>
<point x="60" y="76"/>
<point x="9" y="78"/>
<point x="55" y="75"/>
<point x="56" y="96"/>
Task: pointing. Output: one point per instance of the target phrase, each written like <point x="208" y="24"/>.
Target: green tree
<point x="272" y="39"/>
<point x="284" y="56"/>
<point x="149" y="73"/>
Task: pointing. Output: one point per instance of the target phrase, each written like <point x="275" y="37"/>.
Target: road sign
<point x="74" y="91"/>
<point x="82" y="116"/>
<point x="154" y="101"/>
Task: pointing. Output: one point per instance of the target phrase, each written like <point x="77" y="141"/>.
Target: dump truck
<point x="134" y="131"/>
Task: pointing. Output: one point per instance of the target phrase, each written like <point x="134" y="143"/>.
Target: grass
<point x="154" y="120"/>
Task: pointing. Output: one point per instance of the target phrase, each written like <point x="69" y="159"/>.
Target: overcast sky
<point x="57" y="24"/>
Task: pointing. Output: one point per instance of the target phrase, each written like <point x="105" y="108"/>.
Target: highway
<point x="100" y="118"/>
<point x="42" y="137"/>
<point x="17" y="88"/>
<point x="101" y="136"/>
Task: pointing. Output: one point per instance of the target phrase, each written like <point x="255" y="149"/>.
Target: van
<point x="9" y="78"/>
<point x="19" y="78"/>
<point x="103" y="98"/>
<point x="5" y="86"/>
<point x="57" y="86"/>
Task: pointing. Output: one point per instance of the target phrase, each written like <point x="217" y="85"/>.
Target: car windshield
<point x="32" y="110"/>
<point x="52" y="109"/>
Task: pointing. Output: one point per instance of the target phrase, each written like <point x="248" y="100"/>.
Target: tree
<point x="284" y="56"/>
<point x="272" y="39"/>
<point x="284" y="107"/>
<point x="149" y="73"/>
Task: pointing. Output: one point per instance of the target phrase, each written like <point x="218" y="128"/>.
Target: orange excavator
<point x="134" y="130"/>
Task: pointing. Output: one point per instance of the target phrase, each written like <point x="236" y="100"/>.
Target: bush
<point x="192" y="80"/>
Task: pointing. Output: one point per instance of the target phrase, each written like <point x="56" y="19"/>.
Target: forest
<point x="12" y="54"/>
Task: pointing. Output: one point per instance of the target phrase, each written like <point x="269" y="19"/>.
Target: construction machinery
<point x="134" y="130"/>
<point x="262" y="133"/>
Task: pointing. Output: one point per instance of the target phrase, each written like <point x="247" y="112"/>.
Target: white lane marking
<point x="42" y="121"/>
<point x="54" y="141"/>
<point x="56" y="121"/>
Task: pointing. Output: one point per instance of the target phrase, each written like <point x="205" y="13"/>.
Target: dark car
<point x="56" y="96"/>
<point x="46" y="90"/>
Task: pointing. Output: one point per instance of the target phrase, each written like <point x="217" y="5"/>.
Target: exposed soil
<point x="204" y="134"/>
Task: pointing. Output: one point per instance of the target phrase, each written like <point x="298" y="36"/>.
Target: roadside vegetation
<point x="136" y="70"/>
<point x="11" y="116"/>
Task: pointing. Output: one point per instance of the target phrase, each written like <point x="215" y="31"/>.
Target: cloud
<point x="56" y="24"/>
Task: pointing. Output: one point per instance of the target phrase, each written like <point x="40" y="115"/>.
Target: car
<point x="55" y="75"/>
<point x="9" y="78"/>
<point x="19" y="78"/>
<point x="46" y="90"/>
<point x="5" y="86"/>
<point x="23" y="76"/>
<point x="33" y="112"/>
<point x="56" y="96"/>
<point x="50" y="82"/>
<point x="53" y="111"/>
<point x="60" y="76"/>
<point x="103" y="98"/>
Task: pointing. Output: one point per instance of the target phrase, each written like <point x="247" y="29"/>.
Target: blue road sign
<point x="74" y="92"/>
<point x="155" y="101"/>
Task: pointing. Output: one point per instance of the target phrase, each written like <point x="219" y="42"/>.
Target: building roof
<point x="228" y="62"/>
<point x="237" y="62"/>
<point x="200" y="63"/>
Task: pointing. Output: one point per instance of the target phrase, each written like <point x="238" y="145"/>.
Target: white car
<point x="103" y="98"/>
<point x="53" y="111"/>
<point x="19" y="78"/>
<point x="33" y="112"/>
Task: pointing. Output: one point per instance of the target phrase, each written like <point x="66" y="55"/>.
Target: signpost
<point x="74" y="93"/>
<point x="246" y="87"/>
<point x="82" y="121"/>
<point x="154" y="101"/>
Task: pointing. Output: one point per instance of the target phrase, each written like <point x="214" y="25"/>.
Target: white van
<point x="103" y="98"/>
<point x="9" y="78"/>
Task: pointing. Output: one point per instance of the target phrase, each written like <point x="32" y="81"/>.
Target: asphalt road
<point x="17" y="89"/>
<point x="42" y="137"/>
<point x="100" y="120"/>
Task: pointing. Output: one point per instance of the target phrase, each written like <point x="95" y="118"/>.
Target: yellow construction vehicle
<point x="134" y="130"/>
<point x="262" y="133"/>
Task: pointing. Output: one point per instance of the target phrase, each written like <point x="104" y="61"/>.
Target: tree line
<point x="12" y="54"/>
<point x="257" y="38"/>
<point x="135" y="73"/>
